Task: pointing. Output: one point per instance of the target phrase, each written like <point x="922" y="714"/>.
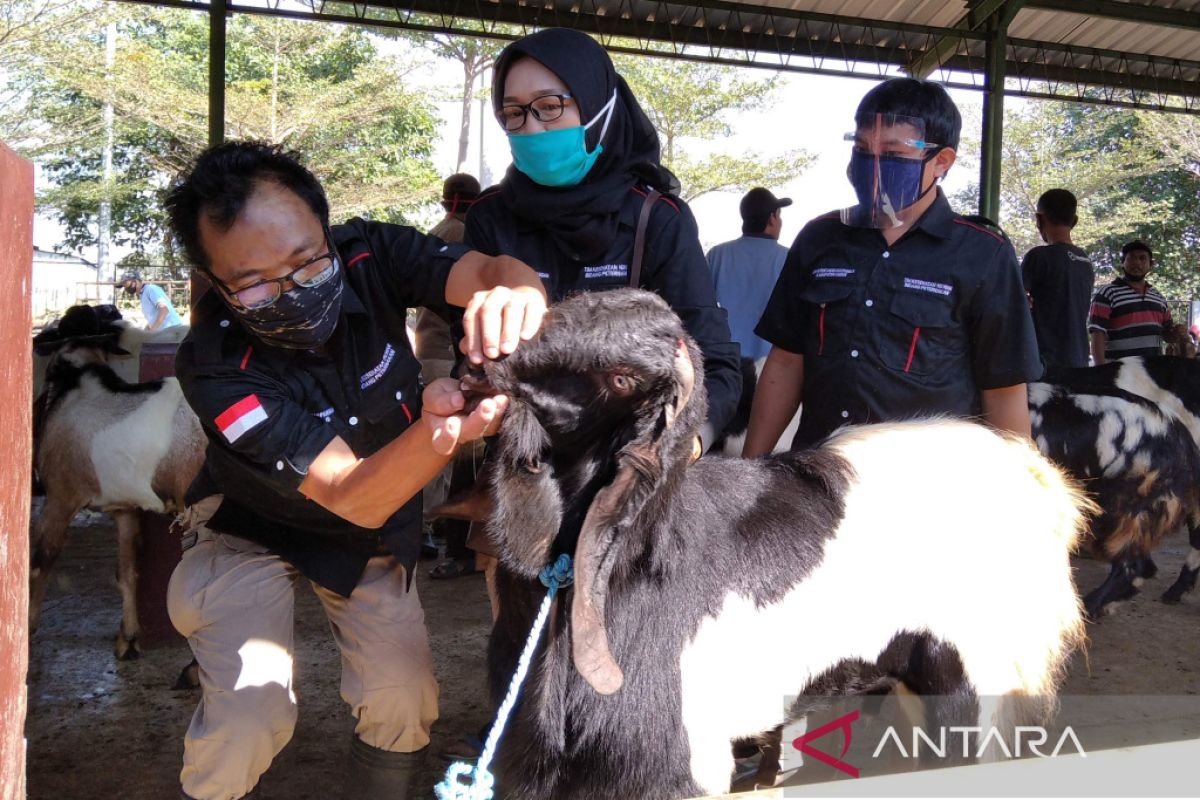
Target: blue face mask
<point x="559" y="157"/>
<point x="896" y="186"/>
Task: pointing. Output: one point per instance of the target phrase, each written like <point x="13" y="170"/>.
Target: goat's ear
<point x="640" y="473"/>
<point x="593" y="568"/>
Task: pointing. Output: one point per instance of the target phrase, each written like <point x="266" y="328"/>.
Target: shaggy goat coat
<point x="892" y="547"/>
<point x="103" y="443"/>
<point x="1129" y="431"/>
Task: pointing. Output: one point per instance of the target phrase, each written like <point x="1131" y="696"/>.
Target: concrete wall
<point x="16" y="247"/>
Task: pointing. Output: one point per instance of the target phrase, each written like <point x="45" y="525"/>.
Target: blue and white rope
<point x="452" y="787"/>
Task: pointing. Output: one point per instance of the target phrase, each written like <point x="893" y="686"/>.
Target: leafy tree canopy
<point x="1136" y="175"/>
<point x="696" y="103"/>
<point x="324" y="91"/>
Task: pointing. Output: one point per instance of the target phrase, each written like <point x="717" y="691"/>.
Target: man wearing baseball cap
<point x="745" y="270"/>
<point x="156" y="306"/>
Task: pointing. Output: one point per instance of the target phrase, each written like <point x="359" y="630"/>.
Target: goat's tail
<point x="1065" y="500"/>
<point x="1057" y="513"/>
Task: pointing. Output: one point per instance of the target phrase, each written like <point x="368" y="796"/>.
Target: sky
<point x="807" y="111"/>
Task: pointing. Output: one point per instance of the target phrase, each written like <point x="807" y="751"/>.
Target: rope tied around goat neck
<point x="554" y="577"/>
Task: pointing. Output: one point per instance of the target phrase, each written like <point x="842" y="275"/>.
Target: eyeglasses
<point x="546" y="108"/>
<point x="893" y="146"/>
<point x="309" y="275"/>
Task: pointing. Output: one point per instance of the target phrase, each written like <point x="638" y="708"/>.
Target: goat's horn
<point x="685" y="376"/>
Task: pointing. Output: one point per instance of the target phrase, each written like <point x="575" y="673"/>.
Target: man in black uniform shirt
<point x="896" y="307"/>
<point x="1059" y="279"/>
<point x="299" y="367"/>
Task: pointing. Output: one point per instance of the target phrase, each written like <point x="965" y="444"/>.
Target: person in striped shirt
<point x="1129" y="317"/>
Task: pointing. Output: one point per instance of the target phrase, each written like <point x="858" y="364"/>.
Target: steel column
<point x="217" y="12"/>
<point x="992" y="141"/>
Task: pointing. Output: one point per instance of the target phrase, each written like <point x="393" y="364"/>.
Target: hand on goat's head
<point x="605" y="405"/>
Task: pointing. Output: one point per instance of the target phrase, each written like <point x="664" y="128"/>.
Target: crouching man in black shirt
<point x="299" y="367"/>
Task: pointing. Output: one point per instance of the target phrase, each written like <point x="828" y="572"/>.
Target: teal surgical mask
<point x="559" y="157"/>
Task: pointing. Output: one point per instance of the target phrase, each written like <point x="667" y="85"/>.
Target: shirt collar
<point x="938" y="219"/>
<point x="351" y="303"/>
<point x="1120" y="280"/>
<point x="758" y="236"/>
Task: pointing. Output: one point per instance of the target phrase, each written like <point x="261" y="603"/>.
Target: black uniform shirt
<point x="895" y="332"/>
<point x="268" y="412"/>
<point x="673" y="265"/>
<point x="1059" y="279"/>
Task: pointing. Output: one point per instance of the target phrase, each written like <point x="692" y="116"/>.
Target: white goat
<point x="103" y="443"/>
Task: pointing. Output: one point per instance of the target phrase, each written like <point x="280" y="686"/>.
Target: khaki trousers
<point x="234" y="603"/>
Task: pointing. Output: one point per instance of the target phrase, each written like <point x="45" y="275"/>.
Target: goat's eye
<point x="621" y="384"/>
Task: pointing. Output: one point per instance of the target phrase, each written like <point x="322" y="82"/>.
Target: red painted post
<point x="16" y="265"/>
<point x="159" y="550"/>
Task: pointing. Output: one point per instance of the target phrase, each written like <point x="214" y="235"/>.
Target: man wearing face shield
<point x="897" y="306"/>
<point x="299" y="367"/>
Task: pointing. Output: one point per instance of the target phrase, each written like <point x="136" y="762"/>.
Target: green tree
<point x="25" y="25"/>
<point x="476" y="56"/>
<point x="1136" y="175"/>
<point x="692" y="103"/>
<point x="326" y="92"/>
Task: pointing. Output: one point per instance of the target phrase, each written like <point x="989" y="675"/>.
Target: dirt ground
<point x="98" y="728"/>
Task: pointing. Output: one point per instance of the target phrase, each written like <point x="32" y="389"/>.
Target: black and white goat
<point x="1129" y="431"/>
<point x="888" y="550"/>
<point x="103" y="443"/>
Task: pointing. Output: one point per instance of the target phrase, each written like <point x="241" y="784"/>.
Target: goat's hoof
<point x="127" y="649"/>
<point x="189" y="677"/>
<point x="1173" y="595"/>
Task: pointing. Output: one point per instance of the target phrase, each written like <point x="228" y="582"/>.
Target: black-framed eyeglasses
<point x="546" y="108"/>
<point x="309" y="275"/>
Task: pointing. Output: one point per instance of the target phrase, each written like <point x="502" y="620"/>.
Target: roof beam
<point x="1126" y="12"/>
<point x="805" y="45"/>
<point x="946" y="46"/>
<point x="1025" y="73"/>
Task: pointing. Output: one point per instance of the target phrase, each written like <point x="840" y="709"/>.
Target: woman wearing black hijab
<point x="585" y="157"/>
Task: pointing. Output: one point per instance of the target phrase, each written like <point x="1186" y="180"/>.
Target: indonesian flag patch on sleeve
<point x="241" y="417"/>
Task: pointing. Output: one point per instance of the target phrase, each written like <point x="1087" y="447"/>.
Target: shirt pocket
<point x="391" y="405"/>
<point x="830" y="309"/>
<point x="920" y="334"/>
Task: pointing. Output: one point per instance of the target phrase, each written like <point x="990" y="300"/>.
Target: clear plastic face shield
<point x="887" y="164"/>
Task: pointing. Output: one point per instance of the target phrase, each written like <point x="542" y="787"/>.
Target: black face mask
<point x="301" y="319"/>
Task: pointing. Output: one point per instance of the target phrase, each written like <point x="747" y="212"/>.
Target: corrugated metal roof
<point x="1131" y="52"/>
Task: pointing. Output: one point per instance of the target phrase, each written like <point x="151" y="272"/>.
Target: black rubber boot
<point x="374" y="774"/>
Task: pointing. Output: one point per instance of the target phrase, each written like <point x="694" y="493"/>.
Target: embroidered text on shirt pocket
<point x="826" y="295"/>
<point x="920" y="336"/>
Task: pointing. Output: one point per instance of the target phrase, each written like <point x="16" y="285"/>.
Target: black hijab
<point x="582" y="219"/>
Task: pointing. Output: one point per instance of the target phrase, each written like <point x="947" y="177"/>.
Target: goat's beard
<point x="526" y="517"/>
